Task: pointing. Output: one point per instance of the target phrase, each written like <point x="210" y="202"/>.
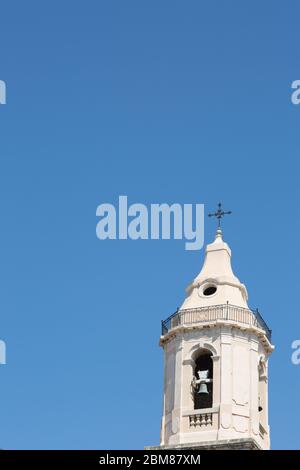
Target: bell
<point x="203" y="379"/>
<point x="203" y="389"/>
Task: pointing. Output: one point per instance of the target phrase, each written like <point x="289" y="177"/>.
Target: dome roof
<point x="216" y="283"/>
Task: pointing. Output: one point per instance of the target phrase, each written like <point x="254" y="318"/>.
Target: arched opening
<point x="203" y="380"/>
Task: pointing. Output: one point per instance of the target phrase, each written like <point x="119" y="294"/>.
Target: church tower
<point x="216" y="352"/>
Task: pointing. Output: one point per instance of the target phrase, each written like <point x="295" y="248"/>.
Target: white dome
<point x="216" y="284"/>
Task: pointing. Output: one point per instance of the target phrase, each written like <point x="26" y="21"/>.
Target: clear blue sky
<point x="164" y="101"/>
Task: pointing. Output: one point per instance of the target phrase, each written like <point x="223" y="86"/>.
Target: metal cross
<point x="219" y="214"/>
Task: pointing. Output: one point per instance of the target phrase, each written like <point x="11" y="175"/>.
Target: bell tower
<point x="216" y="352"/>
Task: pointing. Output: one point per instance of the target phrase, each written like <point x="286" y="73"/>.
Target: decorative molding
<point x="240" y="423"/>
<point x="219" y="282"/>
<point x="188" y="362"/>
<point x="201" y="345"/>
<point x="213" y="410"/>
<point x="222" y="444"/>
<point x="226" y="420"/>
<point x="215" y="358"/>
<point x="218" y="324"/>
<point x="175" y="425"/>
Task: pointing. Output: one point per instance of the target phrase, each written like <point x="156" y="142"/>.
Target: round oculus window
<point x="210" y="290"/>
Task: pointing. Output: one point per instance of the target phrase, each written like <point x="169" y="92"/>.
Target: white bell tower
<point x="216" y="354"/>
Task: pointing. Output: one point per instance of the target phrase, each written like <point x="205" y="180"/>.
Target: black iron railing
<point x="213" y="313"/>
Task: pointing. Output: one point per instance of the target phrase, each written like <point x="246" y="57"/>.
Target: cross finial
<point x="219" y="214"/>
